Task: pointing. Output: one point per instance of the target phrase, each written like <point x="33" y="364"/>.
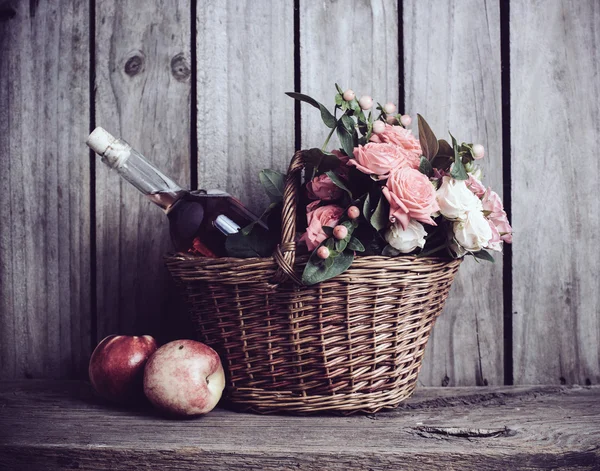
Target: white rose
<point x="474" y="232"/>
<point x="406" y="240"/>
<point x="455" y="199"/>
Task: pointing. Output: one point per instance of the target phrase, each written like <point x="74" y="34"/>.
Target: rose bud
<point x="389" y="108"/>
<point x="478" y="151"/>
<point x="323" y="252"/>
<point x="365" y="102"/>
<point x="405" y="120"/>
<point x="353" y="212"/>
<point x="349" y="95"/>
<point x="378" y="127"/>
<point x="340" y="232"/>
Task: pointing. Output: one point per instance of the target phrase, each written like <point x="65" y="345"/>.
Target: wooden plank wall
<point x="555" y="84"/>
<point x="45" y="271"/>
<point x="80" y="251"/>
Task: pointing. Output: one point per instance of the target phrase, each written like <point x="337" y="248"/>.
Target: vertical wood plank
<point x="143" y="76"/>
<point x="555" y="57"/>
<point x="245" y="57"/>
<point x="452" y="73"/>
<point x="44" y="181"/>
<point x="352" y="43"/>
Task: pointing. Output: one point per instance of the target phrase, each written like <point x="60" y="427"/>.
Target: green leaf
<point x="339" y="99"/>
<point x="328" y="262"/>
<point x="457" y="170"/>
<point x="339" y="89"/>
<point x="340" y="245"/>
<point x="274" y="183"/>
<point x="483" y="255"/>
<point x="389" y="251"/>
<point x="355" y="244"/>
<point x="326" y="115"/>
<point x="258" y="243"/>
<point x="366" y="210"/>
<point x="330" y="243"/>
<point x="348" y="123"/>
<point x="338" y="182"/>
<point x="425" y="166"/>
<point x="346" y="139"/>
<point x="315" y="272"/>
<point x="427" y="139"/>
<point x="320" y="160"/>
<point x="380" y="218"/>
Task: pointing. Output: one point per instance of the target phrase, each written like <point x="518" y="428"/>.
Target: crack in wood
<point x="426" y="431"/>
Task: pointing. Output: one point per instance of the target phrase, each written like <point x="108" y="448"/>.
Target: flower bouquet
<point x="385" y="192"/>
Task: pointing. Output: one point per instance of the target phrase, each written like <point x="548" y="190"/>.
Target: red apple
<point x="184" y="377"/>
<point x="117" y="366"/>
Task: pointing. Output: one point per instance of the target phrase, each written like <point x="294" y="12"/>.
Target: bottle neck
<point x="133" y="167"/>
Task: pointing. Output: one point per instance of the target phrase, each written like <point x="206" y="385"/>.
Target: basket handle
<point x="285" y="252"/>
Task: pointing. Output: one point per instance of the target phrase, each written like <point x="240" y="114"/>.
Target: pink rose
<point x="492" y="203"/>
<point x="475" y="186"/>
<point x="411" y="195"/>
<point x="323" y="188"/>
<point x="401" y="137"/>
<point x="322" y="216"/>
<point x="381" y="159"/>
<point x="495" y="243"/>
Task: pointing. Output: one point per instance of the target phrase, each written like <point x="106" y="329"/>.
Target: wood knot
<point x="7" y="13"/>
<point x="135" y="64"/>
<point x="180" y="68"/>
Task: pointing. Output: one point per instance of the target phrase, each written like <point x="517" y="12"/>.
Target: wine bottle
<point x="199" y="221"/>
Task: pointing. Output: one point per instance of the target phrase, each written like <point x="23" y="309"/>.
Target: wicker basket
<point x="350" y="344"/>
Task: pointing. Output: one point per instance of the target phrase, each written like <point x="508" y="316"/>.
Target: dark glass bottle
<point x="199" y="221"/>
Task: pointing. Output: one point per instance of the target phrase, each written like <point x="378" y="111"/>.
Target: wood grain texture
<point x="245" y="57"/>
<point x="143" y="75"/>
<point x="352" y="43"/>
<point x="555" y="57"/>
<point x="44" y="182"/>
<point x="452" y="73"/>
<point x="62" y="425"/>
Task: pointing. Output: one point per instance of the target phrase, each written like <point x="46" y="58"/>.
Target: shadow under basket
<point x="354" y="343"/>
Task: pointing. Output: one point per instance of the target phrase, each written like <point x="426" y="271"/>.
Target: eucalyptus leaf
<point x="427" y="139"/>
<point x="274" y="183"/>
<point x="346" y="139"/>
<point x="316" y="272"/>
<point x="328" y="262"/>
<point x="355" y="244"/>
<point x="338" y="182"/>
<point x="425" y="166"/>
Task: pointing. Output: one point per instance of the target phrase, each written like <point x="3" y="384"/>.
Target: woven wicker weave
<point x="350" y="344"/>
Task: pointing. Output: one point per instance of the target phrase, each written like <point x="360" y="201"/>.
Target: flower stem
<point x="328" y="137"/>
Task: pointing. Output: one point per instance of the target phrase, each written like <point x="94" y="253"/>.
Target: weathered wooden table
<point x="62" y="425"/>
